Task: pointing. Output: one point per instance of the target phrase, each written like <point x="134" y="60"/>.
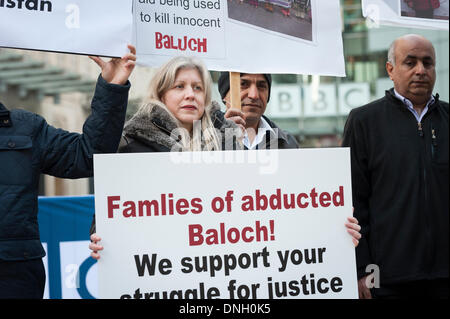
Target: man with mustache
<point x="260" y="132"/>
<point x="399" y="154"/>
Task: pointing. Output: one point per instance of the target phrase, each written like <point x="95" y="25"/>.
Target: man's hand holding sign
<point x="117" y="71"/>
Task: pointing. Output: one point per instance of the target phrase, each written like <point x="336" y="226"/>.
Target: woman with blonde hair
<point x="178" y="113"/>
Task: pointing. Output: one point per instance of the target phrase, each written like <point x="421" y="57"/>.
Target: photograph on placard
<point x="424" y="9"/>
<point x="293" y="18"/>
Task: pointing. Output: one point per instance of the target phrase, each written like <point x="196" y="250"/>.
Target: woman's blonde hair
<point x="163" y="80"/>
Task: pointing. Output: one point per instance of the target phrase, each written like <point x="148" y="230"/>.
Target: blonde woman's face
<point x="186" y="98"/>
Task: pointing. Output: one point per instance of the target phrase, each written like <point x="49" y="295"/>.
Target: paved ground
<point x="274" y="21"/>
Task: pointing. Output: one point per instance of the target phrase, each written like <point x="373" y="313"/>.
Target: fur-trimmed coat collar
<point x="156" y="126"/>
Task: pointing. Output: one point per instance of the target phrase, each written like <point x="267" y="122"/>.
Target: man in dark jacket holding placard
<point x="29" y="147"/>
<point x="399" y="154"/>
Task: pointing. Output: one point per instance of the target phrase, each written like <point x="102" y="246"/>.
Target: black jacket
<point x="29" y="147"/>
<point x="280" y="140"/>
<point x="400" y="189"/>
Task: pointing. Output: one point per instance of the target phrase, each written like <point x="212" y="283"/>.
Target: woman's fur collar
<point x="156" y="126"/>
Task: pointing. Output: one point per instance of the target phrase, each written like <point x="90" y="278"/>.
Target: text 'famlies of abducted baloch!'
<point x="169" y="205"/>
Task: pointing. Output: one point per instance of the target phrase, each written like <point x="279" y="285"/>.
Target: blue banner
<point x="64" y="224"/>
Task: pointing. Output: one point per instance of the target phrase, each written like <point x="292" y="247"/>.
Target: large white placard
<point x="231" y="225"/>
<point x="100" y="27"/>
<point x="399" y="13"/>
<point x="272" y="36"/>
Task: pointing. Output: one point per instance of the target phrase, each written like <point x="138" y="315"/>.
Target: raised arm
<point x="69" y="155"/>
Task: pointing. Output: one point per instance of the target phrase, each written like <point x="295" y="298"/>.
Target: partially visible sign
<point x="407" y="13"/>
<point x="64" y="228"/>
<point x="101" y="27"/>
<point x="252" y="36"/>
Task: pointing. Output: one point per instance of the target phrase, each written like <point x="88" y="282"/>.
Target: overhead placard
<point x="433" y="14"/>
<point x="101" y="27"/>
<point x="230" y="225"/>
<point x="271" y="36"/>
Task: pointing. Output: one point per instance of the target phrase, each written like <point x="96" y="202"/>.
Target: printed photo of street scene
<point x="425" y="9"/>
<point x="289" y="17"/>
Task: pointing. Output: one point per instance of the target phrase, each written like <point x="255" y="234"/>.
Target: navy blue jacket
<point x="29" y="146"/>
